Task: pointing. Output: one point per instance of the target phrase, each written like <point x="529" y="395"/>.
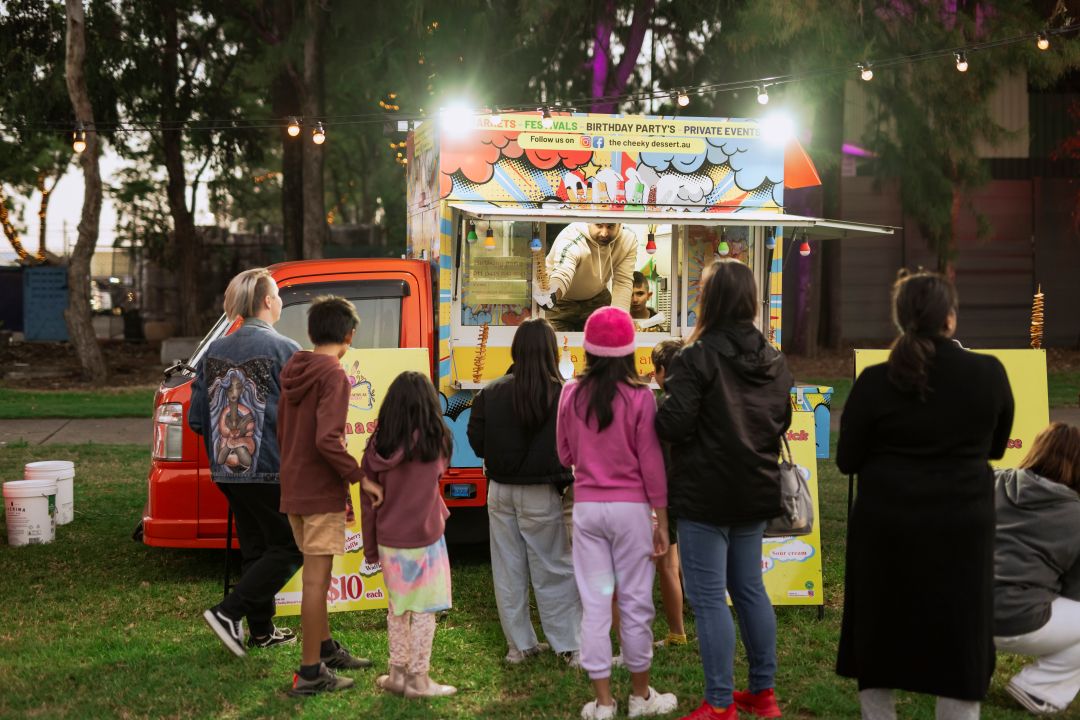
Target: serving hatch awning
<point x="817" y="228"/>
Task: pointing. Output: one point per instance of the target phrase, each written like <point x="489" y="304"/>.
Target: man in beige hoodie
<point x="584" y="261"/>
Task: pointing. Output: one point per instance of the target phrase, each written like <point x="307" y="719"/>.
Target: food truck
<point x="487" y="196"/>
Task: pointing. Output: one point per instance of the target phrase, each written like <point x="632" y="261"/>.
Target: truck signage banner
<point x="606" y="162"/>
<point x="354" y="584"/>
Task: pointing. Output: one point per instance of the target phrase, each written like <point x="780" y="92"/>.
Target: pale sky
<point x="66" y="205"/>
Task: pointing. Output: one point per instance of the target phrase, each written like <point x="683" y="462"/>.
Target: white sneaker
<point x="1035" y="705"/>
<point x="655" y="704"/>
<point x="516" y="657"/>
<point x="594" y="711"/>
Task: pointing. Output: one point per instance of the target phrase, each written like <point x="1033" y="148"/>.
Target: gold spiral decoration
<point x="481" y="354"/>
<point x="541" y="269"/>
<point x="1037" y="318"/>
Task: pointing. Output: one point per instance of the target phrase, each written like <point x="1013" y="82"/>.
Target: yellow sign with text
<point x="608" y="126"/>
<point x="791" y="566"/>
<point x="1026" y="370"/>
<point x="355" y="584"/>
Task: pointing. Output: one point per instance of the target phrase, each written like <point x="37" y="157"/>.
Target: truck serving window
<point x="377" y="302"/>
<point x="496" y="273"/>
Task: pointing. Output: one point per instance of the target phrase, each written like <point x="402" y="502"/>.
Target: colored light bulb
<point x="472" y="236"/>
<point x="723" y="249"/>
<point x="770" y="240"/>
<point x="535" y="244"/>
<point x="804" y="248"/>
<point x="489" y="239"/>
<point x="650" y="244"/>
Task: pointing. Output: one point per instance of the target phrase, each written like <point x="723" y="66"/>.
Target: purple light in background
<point x="855" y="150"/>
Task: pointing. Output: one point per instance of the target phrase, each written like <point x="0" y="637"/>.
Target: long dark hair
<point x="1055" y="454"/>
<point x="922" y="302"/>
<point x="728" y="296"/>
<point x="600" y="382"/>
<point x="537" y="381"/>
<point x="411" y="419"/>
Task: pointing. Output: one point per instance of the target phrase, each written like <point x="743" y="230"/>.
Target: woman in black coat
<point x="725" y="406"/>
<point x="919" y="431"/>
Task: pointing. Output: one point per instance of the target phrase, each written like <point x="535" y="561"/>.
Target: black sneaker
<point x="326" y="681"/>
<point x="280" y="636"/>
<point x="342" y="659"/>
<point x="231" y="632"/>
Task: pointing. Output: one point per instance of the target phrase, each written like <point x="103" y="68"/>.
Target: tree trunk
<point x="315" y="229"/>
<point x="608" y="81"/>
<point x="285" y="98"/>
<point x="184" y="251"/>
<point x="79" y="323"/>
<point x="831" y="129"/>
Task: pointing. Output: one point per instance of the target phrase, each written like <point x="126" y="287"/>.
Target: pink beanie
<point x="609" y="332"/>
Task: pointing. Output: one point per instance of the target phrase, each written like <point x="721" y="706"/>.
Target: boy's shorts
<point x="319" y="534"/>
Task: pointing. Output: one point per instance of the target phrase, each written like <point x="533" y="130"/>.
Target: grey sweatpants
<point x="528" y="541"/>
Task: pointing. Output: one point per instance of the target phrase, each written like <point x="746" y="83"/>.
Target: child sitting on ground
<point x="316" y="471"/>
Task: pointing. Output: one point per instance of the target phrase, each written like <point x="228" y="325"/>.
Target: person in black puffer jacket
<point x="512" y="427"/>
<point x="725" y="406"/>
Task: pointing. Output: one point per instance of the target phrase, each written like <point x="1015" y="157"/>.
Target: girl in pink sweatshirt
<point x="403" y="519"/>
<point x="605" y="431"/>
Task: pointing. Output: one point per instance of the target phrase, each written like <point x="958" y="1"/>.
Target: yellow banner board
<point x="1026" y="370"/>
<point x="354" y="584"/>
<point x="791" y="566"/>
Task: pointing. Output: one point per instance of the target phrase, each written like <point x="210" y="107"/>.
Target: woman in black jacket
<point x="725" y="407"/>
<point x="512" y="426"/>
<point x="919" y="431"/>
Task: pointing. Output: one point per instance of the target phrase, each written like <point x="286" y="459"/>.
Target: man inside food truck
<point x="585" y="260"/>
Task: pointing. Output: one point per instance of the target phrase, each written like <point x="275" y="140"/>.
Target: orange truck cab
<point x="185" y="509"/>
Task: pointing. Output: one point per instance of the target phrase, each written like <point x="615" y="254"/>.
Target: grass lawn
<point x="106" y="403"/>
<point x="97" y="626"/>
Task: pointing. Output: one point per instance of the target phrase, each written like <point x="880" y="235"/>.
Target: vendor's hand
<point x="543" y="298"/>
<point x="661" y="541"/>
<point x="374" y="490"/>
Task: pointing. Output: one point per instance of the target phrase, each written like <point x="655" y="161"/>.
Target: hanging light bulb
<point x="318" y="135"/>
<point x="723" y="249"/>
<point x="294" y="126"/>
<point x="804" y="248"/>
<point x="545" y="119"/>
<point x="489" y="239"/>
<point x="866" y="72"/>
<point x="535" y="243"/>
<point x="1042" y="41"/>
<point x="472" y="236"/>
<point x="650" y="243"/>
<point x="762" y="95"/>
<point x="961" y="61"/>
<point x="683" y="99"/>
<point x="78" y="138"/>
<point x="770" y="239"/>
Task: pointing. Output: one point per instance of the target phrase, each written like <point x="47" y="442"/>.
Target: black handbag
<point x="797" y="517"/>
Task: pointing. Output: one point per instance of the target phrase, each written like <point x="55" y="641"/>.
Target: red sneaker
<point x="762" y="704"/>
<point x="708" y="712"/>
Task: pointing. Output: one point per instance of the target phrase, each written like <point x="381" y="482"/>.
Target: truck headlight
<point x="169" y="432"/>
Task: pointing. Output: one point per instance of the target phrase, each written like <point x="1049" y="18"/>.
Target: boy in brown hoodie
<point x="316" y="471"/>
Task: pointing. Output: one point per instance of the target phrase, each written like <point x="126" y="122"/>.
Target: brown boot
<point x="419" y="685"/>
<point x="394" y="682"/>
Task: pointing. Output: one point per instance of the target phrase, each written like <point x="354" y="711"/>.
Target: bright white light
<point x="456" y="119"/>
<point x="961" y="62"/>
<point x="762" y="96"/>
<point x="865" y="72"/>
<point x="777" y="128"/>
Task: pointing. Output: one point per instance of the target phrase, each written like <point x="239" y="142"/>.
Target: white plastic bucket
<point x="63" y="472"/>
<point x="30" y="507"/>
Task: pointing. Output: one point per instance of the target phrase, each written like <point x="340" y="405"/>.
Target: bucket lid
<point x="50" y="465"/>
<point x="29" y="488"/>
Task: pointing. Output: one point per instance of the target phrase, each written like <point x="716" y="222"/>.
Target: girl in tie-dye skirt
<point x="403" y="520"/>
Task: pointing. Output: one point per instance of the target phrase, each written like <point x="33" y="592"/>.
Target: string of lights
<point x="679" y="96"/>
